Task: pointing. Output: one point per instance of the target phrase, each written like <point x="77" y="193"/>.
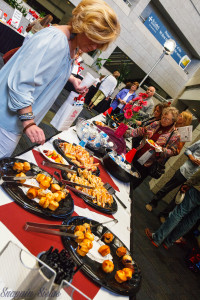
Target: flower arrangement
<point x="131" y="110"/>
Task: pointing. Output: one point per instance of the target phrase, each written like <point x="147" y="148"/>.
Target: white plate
<point x="154" y="146"/>
<point x="42" y="149"/>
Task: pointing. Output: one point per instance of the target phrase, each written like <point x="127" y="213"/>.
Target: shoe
<point x="181" y="241"/>
<point x="149" y="207"/>
<point x="149" y="235"/>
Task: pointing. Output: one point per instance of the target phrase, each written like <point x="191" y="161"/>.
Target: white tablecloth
<point x="121" y="229"/>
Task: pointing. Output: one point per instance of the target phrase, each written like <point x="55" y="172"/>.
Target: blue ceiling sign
<point x="161" y="33"/>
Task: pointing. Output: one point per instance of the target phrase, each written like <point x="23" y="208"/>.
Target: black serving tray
<point x="56" y="144"/>
<point x="66" y="206"/>
<point x="117" y="171"/>
<point x="108" y="210"/>
<point x="93" y="269"/>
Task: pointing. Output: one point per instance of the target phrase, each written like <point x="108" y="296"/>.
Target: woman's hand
<point x="138" y="123"/>
<point x="158" y="150"/>
<point x="76" y="83"/>
<point x="34" y="133"/>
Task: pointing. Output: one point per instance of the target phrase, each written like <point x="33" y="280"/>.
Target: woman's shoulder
<point x="52" y="37"/>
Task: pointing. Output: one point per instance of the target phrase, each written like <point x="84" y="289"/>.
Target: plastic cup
<point x="88" y="80"/>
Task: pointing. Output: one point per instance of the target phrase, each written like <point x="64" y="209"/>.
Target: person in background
<point x="157" y="112"/>
<point x="147" y="110"/>
<point x="182" y="218"/>
<point x="33" y="78"/>
<point x="180" y="176"/>
<point x="106" y="89"/>
<point x="39" y="24"/>
<point x="123" y="97"/>
<point x="184" y="119"/>
<point x="161" y="132"/>
<point x="127" y="86"/>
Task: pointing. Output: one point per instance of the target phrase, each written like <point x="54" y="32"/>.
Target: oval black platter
<point x="117" y="171"/>
<point x="93" y="269"/>
<point x="66" y="206"/>
<point x="56" y="144"/>
<point x="108" y="210"/>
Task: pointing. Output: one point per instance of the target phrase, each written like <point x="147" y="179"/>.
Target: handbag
<point x="157" y="169"/>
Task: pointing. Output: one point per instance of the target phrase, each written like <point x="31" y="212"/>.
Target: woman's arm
<point x="76" y="83"/>
<point x="39" y="65"/>
<point x="34" y="133"/>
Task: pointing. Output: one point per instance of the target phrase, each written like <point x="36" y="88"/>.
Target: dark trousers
<point x="175" y="181"/>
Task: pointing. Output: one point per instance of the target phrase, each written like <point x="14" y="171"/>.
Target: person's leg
<point x="191" y="200"/>
<point x="183" y="227"/>
<point x="175" y="181"/>
<point x="99" y="98"/>
<point x="165" y="213"/>
<point x="188" y="221"/>
<point x="95" y="97"/>
<point x="8" y="142"/>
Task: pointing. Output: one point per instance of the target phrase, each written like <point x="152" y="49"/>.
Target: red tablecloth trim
<point x="14" y="218"/>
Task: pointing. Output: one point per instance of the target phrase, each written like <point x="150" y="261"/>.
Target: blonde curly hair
<point x="97" y="20"/>
<point x="174" y="111"/>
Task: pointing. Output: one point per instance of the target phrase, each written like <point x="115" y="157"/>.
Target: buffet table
<point x="9" y="38"/>
<point x="13" y="218"/>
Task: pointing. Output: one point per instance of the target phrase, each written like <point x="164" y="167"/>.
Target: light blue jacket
<point x="34" y="76"/>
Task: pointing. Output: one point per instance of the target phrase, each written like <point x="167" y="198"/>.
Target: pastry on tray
<point x="104" y="250"/>
<point x="108" y="237"/>
<point x="107" y="266"/>
<point x="121" y="251"/>
<point x="120" y="276"/>
<point x="82" y="249"/>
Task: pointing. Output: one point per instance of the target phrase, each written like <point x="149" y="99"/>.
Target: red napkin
<point x="38" y="242"/>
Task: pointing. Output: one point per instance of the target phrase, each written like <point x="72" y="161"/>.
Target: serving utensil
<point x="106" y="222"/>
<point x="112" y="191"/>
<point x="79" y="192"/>
<point x="13" y="178"/>
<point x="76" y="184"/>
<point x="46" y="229"/>
<point x="58" y="166"/>
<point x="20" y="183"/>
<point x="62" y="226"/>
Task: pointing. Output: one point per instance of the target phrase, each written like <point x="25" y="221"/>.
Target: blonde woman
<point x="184" y="119"/>
<point x="33" y="78"/>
